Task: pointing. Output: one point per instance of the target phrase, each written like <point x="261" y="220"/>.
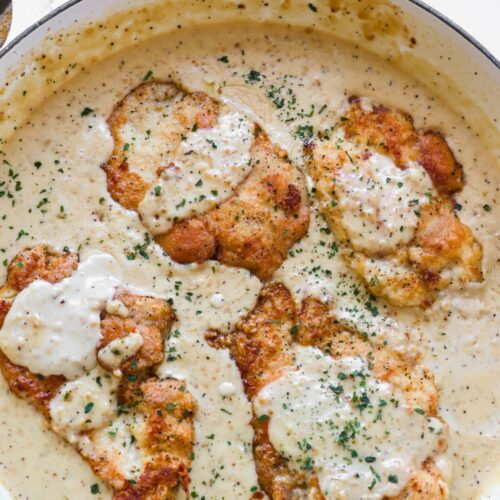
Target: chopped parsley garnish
<point x="147" y="76"/>
<point x="313" y="7"/>
<point x="308" y="464"/>
<point x="94" y="489"/>
<point x="304" y="132"/>
<point x="88" y="408"/>
<point x="86" y="111"/>
<point x="140" y="249"/>
<point x="254" y="76"/>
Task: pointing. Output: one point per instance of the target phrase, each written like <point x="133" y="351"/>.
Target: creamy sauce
<point x="356" y="432"/>
<point x="84" y="404"/>
<point x="380" y="202"/>
<point x="118" y="441"/>
<point x="209" y="165"/>
<point x="215" y="297"/>
<point x="118" y="350"/>
<point x="314" y="268"/>
<point x="292" y="83"/>
<point x="54" y="329"/>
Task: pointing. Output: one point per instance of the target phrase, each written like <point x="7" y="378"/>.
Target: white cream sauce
<point x="118" y="308"/>
<point x="117" y="351"/>
<point x="356" y="432"/>
<point x="215" y="297"/>
<point x="54" y="329"/>
<point x="207" y="168"/>
<point x="314" y="268"/>
<point x="118" y="442"/>
<point x="380" y="202"/>
<point x="84" y="404"/>
<point x="281" y="78"/>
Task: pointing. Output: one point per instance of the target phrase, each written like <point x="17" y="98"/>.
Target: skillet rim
<point x="418" y="3"/>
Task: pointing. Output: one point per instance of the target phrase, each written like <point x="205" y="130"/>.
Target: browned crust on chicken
<point x="167" y="406"/>
<point x="39" y="390"/>
<point x="392" y="132"/>
<point x="39" y="263"/>
<point x="318" y="327"/>
<point x="260" y="346"/>
<point x="129" y="188"/>
<point x="443" y="249"/>
<point x="150" y="317"/>
<point x="254" y="228"/>
<point x="426" y="484"/>
<point x="442" y="239"/>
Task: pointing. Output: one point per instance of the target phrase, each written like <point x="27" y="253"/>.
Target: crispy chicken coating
<point x="253" y="228"/>
<point x="261" y="347"/>
<point x="159" y="411"/>
<point x="427" y="254"/>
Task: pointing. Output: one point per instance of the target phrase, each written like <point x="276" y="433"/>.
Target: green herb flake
<point x="254" y="76"/>
<point x="88" y="408"/>
<point x="86" y="111"/>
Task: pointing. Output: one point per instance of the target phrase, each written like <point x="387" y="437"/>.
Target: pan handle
<point x="28" y="12"/>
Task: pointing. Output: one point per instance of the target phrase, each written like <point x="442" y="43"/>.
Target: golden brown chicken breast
<point x="386" y="190"/>
<point x="263" y="347"/>
<point x="143" y="449"/>
<point x="206" y="181"/>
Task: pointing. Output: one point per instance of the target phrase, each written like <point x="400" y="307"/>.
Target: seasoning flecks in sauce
<point x="87" y="403"/>
<point x="293" y="83"/>
<point x="207" y="168"/>
<point x="355" y="431"/>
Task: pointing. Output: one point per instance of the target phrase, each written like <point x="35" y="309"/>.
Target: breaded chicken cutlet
<point x="155" y="415"/>
<point x="262" y="347"/>
<point x="386" y="190"/>
<point x="251" y="222"/>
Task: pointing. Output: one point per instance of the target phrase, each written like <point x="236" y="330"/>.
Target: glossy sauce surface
<point x="292" y="83"/>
